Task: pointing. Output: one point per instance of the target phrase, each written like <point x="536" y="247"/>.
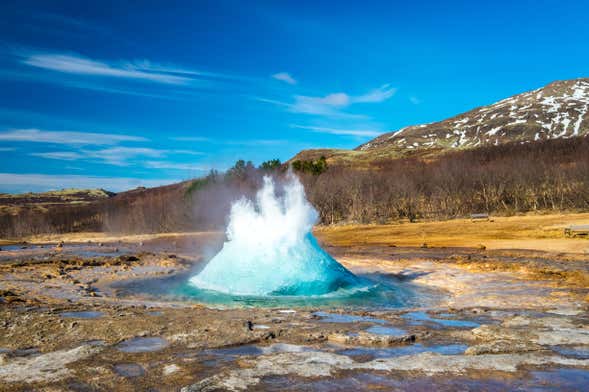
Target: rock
<point x="503" y="347"/>
<point x="4" y="358"/>
<point x="369" y="339"/>
<point x="7" y="293"/>
<point x="322" y="364"/>
<point x="269" y="335"/>
<point x="45" y="367"/>
<point x="129" y="258"/>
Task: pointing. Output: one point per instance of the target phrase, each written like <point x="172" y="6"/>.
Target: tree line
<point x="513" y="178"/>
<point x="550" y="175"/>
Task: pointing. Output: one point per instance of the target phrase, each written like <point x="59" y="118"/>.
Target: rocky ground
<point x="473" y="319"/>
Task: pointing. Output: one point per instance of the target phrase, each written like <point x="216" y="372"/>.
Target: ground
<point x="486" y="305"/>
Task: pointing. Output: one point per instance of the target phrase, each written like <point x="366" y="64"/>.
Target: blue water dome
<point x="271" y="251"/>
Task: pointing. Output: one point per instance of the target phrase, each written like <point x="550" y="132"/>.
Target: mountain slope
<point x="558" y="110"/>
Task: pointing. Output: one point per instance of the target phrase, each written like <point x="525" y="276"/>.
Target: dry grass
<point x="533" y="232"/>
<point x="108" y="237"/>
<point x="536" y="232"/>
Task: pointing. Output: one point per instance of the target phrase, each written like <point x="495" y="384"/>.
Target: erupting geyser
<point x="271" y="251"/>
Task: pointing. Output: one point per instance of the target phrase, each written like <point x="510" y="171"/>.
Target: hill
<point x="557" y="111"/>
<point x="55" y="197"/>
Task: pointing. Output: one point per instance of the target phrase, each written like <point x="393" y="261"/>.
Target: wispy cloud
<point x="190" y="139"/>
<point x="137" y="77"/>
<point x="320" y="106"/>
<point x="230" y="142"/>
<point x="124" y="156"/>
<point x="414" y="100"/>
<point x="119" y="156"/>
<point x="175" y="166"/>
<point x="344" y="132"/>
<point x="6" y="149"/>
<point x="116" y="156"/>
<point x="43" y="182"/>
<point x="76" y="64"/>
<point x="332" y="105"/>
<point x="66" y="137"/>
<point x="328" y="105"/>
<point x="380" y="94"/>
<point x="59" y="155"/>
<point x="284" y="77"/>
<point x="188" y="152"/>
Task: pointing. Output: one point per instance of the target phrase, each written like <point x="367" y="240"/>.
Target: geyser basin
<point x="271" y="256"/>
<point x="271" y="251"/>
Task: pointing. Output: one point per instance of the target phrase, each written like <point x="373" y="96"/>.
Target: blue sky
<point x="113" y="95"/>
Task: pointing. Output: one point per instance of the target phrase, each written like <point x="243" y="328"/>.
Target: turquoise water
<point x="364" y="293"/>
<point x="297" y="268"/>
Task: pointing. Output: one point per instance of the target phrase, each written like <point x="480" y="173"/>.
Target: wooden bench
<point x="480" y="216"/>
<point x="577" y="231"/>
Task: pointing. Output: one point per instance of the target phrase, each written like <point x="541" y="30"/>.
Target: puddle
<point x="419" y="318"/>
<point x="155" y="313"/>
<point x="254" y="350"/>
<point x="129" y="370"/>
<point x="448" y="349"/>
<point x="382" y="330"/>
<point x="576" y="352"/>
<point x="326" y="317"/>
<point x="87" y="314"/>
<point x="560" y="379"/>
<point x="551" y="380"/>
<point x="142" y="345"/>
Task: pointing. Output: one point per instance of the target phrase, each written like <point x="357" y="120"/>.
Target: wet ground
<point x="86" y="317"/>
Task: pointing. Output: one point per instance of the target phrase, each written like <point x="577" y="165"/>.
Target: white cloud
<point x="174" y="166"/>
<point x="187" y="152"/>
<point x="117" y="156"/>
<point x="76" y="64"/>
<point x="380" y="94"/>
<point x="14" y="182"/>
<point x="331" y="104"/>
<point x="59" y="155"/>
<point x="66" y="137"/>
<point x="6" y="149"/>
<point x="284" y="77"/>
<point x="344" y="132"/>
